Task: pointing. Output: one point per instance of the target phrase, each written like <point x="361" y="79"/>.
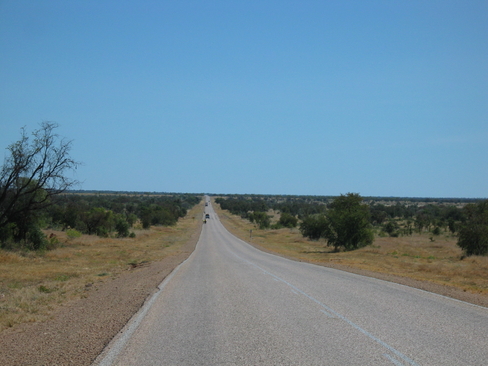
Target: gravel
<point x="79" y="331"/>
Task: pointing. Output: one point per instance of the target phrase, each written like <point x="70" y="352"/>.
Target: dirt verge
<point x="78" y="332"/>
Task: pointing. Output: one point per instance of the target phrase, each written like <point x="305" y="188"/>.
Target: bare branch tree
<point x="33" y="172"/>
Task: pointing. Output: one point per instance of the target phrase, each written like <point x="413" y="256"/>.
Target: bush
<point x="73" y="234"/>
<point x="288" y="220"/>
<point x="391" y="228"/>
<point x="122" y="227"/>
<point x="314" y="227"/>
<point x="348" y="223"/>
<point x="261" y="219"/>
<point x="473" y="235"/>
<point x="36" y="239"/>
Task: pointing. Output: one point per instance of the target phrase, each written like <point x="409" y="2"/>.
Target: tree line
<point x="347" y="222"/>
<point x="36" y="193"/>
<point x="96" y="214"/>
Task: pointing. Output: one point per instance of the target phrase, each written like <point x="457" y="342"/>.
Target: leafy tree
<point x="348" y="223"/>
<point x="98" y="221"/>
<point x="473" y="235"/>
<point x="261" y="219"/>
<point x="121" y="226"/>
<point x="288" y="220"/>
<point x="391" y="228"/>
<point x="378" y="214"/>
<point x="314" y="227"/>
<point x="421" y="221"/>
<point x="452" y="225"/>
<point x="32" y="173"/>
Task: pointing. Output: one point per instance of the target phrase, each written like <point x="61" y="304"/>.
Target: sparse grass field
<point x="33" y="284"/>
<point x="415" y="256"/>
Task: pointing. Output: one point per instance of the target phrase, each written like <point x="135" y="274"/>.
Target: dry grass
<point x="415" y="256"/>
<point x="33" y="284"/>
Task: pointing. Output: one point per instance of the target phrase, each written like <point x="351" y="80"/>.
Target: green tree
<point x="391" y="227"/>
<point x="122" y="226"/>
<point x="314" y="226"/>
<point x="99" y="221"/>
<point x="261" y="219"/>
<point x="348" y="223"/>
<point x="288" y="220"/>
<point x="473" y="234"/>
<point x="33" y="172"/>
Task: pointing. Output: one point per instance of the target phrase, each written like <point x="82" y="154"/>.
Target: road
<point x="231" y="304"/>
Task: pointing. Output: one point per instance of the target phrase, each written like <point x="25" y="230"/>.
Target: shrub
<point x="349" y="225"/>
<point x="36" y="239"/>
<point x="288" y="220"/>
<point x="314" y="227"/>
<point x="122" y="227"/>
<point x="473" y="235"/>
<point x="73" y="234"/>
<point x="391" y="228"/>
<point x="261" y="219"/>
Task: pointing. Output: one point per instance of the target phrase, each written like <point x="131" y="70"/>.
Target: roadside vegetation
<point x="34" y="283"/>
<point x="424" y="239"/>
<point x="36" y="193"/>
<point x="56" y="242"/>
<point x="103" y="214"/>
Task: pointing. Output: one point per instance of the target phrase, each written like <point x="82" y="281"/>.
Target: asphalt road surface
<point x="231" y="304"/>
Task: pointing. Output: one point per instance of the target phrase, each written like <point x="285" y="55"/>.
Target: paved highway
<point x="231" y="304"/>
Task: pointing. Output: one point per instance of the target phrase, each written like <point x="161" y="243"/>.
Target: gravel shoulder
<point x="79" y="331"/>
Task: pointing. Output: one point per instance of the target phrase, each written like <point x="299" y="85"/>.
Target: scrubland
<point x="422" y="257"/>
<point x="32" y="284"/>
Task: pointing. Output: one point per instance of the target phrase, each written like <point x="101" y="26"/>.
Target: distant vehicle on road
<point x="207" y="216"/>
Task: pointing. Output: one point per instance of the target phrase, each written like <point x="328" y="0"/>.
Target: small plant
<point x="73" y="234"/>
<point x="45" y="289"/>
<point x="62" y="278"/>
<point x="133" y="264"/>
<point x="52" y="242"/>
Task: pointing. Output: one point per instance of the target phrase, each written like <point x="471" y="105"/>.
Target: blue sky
<point x="380" y="98"/>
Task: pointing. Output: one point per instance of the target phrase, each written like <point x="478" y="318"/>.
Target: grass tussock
<point x="420" y="256"/>
<point x="32" y="284"/>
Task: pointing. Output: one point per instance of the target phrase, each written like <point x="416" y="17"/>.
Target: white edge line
<point x="392" y="360"/>
<point x="356" y="274"/>
<point x="340" y="316"/>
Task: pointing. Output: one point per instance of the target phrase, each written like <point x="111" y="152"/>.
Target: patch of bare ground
<point x="422" y="261"/>
<point x="110" y="280"/>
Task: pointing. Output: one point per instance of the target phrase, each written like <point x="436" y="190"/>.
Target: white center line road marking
<point x="328" y="310"/>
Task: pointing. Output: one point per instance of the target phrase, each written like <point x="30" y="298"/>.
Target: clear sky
<point x="380" y="98"/>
